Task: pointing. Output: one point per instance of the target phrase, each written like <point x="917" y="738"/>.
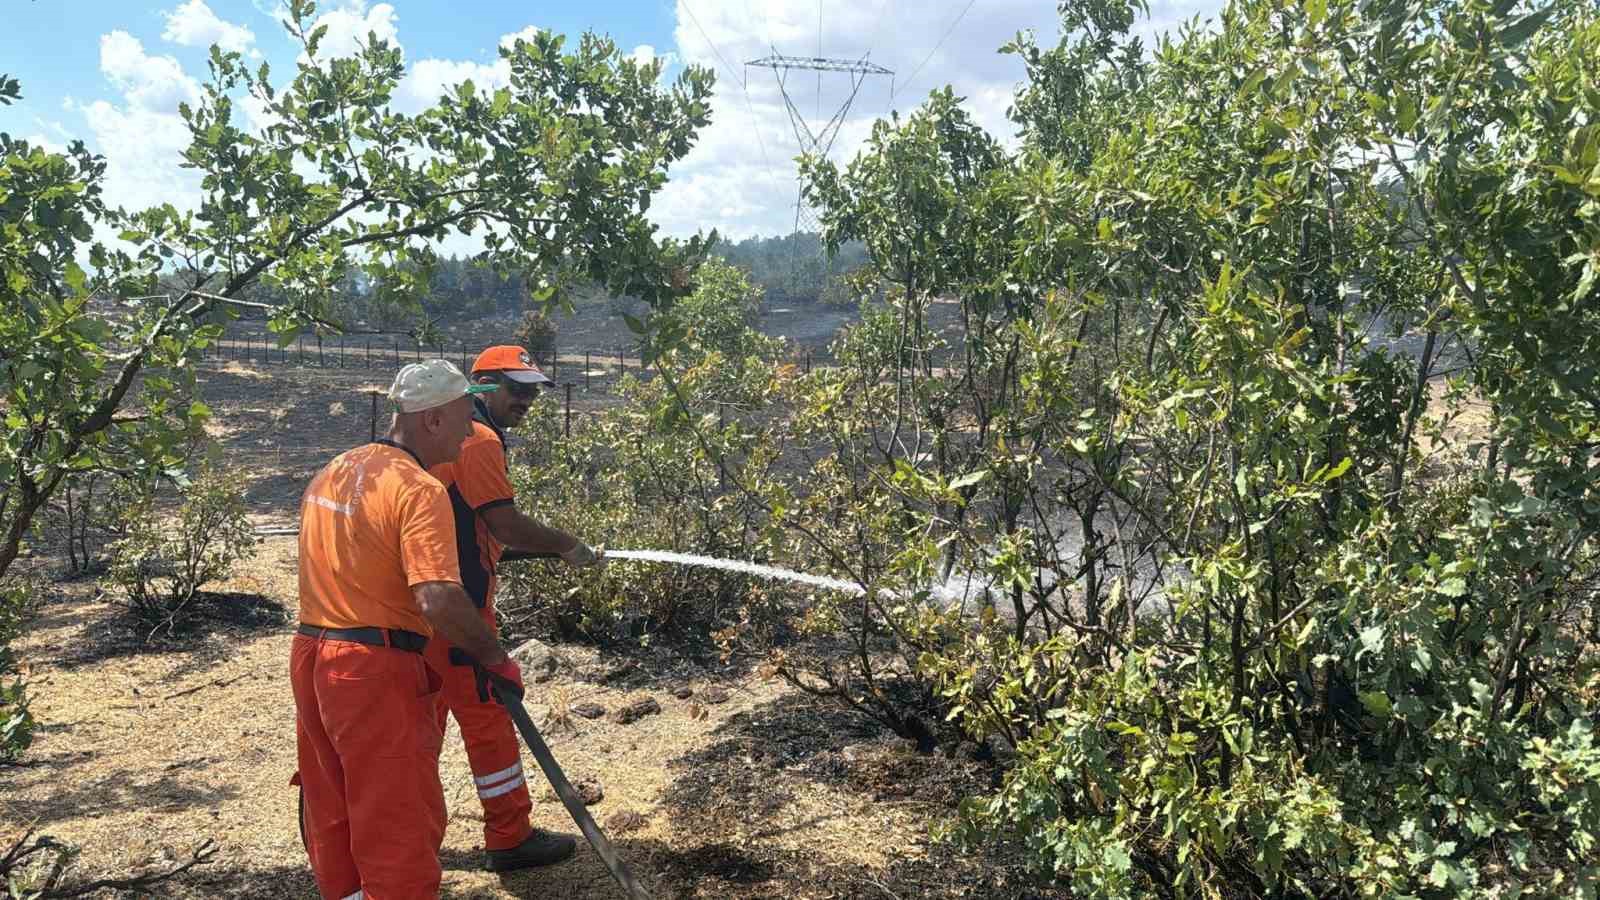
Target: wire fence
<point x="365" y="352"/>
<point x="588" y="368"/>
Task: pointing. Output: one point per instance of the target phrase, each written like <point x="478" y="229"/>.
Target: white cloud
<point x="148" y="82"/>
<point x="275" y="10"/>
<point x="526" y="34"/>
<point x="193" y="24"/>
<point x="645" y="54"/>
<point x="740" y="177"/>
<point x="428" y="79"/>
<point x="141" y="135"/>
<point x="728" y="182"/>
<point x="349" y="24"/>
<point x="47" y="144"/>
<point x="143" y="150"/>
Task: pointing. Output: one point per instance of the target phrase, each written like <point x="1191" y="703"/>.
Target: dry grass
<point x="135" y="764"/>
<point x="146" y="750"/>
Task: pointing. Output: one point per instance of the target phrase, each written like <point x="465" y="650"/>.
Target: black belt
<point x="398" y="638"/>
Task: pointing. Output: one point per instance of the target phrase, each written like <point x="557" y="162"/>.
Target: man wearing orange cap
<point x="378" y="578"/>
<point x="486" y="522"/>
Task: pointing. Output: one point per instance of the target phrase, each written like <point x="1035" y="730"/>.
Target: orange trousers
<point x="493" y="751"/>
<point x="369" y="769"/>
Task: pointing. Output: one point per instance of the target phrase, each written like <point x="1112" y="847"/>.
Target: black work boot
<point x="542" y="848"/>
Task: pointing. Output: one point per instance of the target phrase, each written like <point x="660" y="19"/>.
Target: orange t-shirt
<point x="477" y="481"/>
<point x="372" y="524"/>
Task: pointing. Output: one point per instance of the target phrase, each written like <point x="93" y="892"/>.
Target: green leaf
<point x="969" y="479"/>
<point x="1405" y="112"/>
<point x="73" y="275"/>
<point x="1518" y="30"/>
<point x="1340" y="469"/>
<point x="1377" y="703"/>
<point x="1439" y="875"/>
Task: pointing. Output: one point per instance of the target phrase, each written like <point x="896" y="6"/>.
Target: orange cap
<point x="510" y="360"/>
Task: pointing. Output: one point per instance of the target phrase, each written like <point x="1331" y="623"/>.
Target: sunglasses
<point x="518" y="389"/>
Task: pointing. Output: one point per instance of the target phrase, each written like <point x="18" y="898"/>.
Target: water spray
<point x="736" y="565"/>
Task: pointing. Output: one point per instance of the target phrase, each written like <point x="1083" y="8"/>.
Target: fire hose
<point x="576" y="808"/>
<point x="569" y="796"/>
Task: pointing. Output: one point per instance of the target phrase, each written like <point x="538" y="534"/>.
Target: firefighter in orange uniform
<point x="378" y="579"/>
<point x="487" y="521"/>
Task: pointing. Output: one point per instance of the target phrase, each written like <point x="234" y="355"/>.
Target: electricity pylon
<point x="818" y="141"/>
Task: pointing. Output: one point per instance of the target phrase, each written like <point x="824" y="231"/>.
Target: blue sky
<point x="71" y="29"/>
<point x="113" y="73"/>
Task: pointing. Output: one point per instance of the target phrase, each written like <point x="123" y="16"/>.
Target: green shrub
<point x="719" y="316"/>
<point x="90" y="516"/>
<point x="634" y="476"/>
<point x="16" y="723"/>
<point x="165" y="560"/>
<point x="645" y="474"/>
<point x="846" y="290"/>
<point x="537" y="332"/>
<point x="1270" y="616"/>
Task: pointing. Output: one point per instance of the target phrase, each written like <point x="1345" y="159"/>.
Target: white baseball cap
<point x="432" y="382"/>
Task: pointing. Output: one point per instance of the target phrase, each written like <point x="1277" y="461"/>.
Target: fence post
<point x="374" y="415"/>
<point x="622" y="366"/>
<point x="322" y="359"/>
<point x="341" y="351"/>
<point x="586" y="370"/>
<point x="808" y="360"/>
<point x="567" y="429"/>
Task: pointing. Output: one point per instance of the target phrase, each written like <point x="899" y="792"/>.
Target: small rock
<point x="589" y="710"/>
<point x="625" y="820"/>
<point x="636" y="710"/>
<point x="683" y="693"/>
<point x="537" y="660"/>
<point x="589" y="791"/>
<point x="714" y="695"/>
<point x="620" y="673"/>
<point x="855" y="752"/>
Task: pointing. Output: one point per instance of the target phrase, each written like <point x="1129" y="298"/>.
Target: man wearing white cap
<point x="487" y="522"/>
<point x="379" y="581"/>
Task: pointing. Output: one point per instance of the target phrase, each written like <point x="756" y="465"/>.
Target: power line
<point x="748" y="108"/>
<point x="696" y="20"/>
<point x="936" y="47"/>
